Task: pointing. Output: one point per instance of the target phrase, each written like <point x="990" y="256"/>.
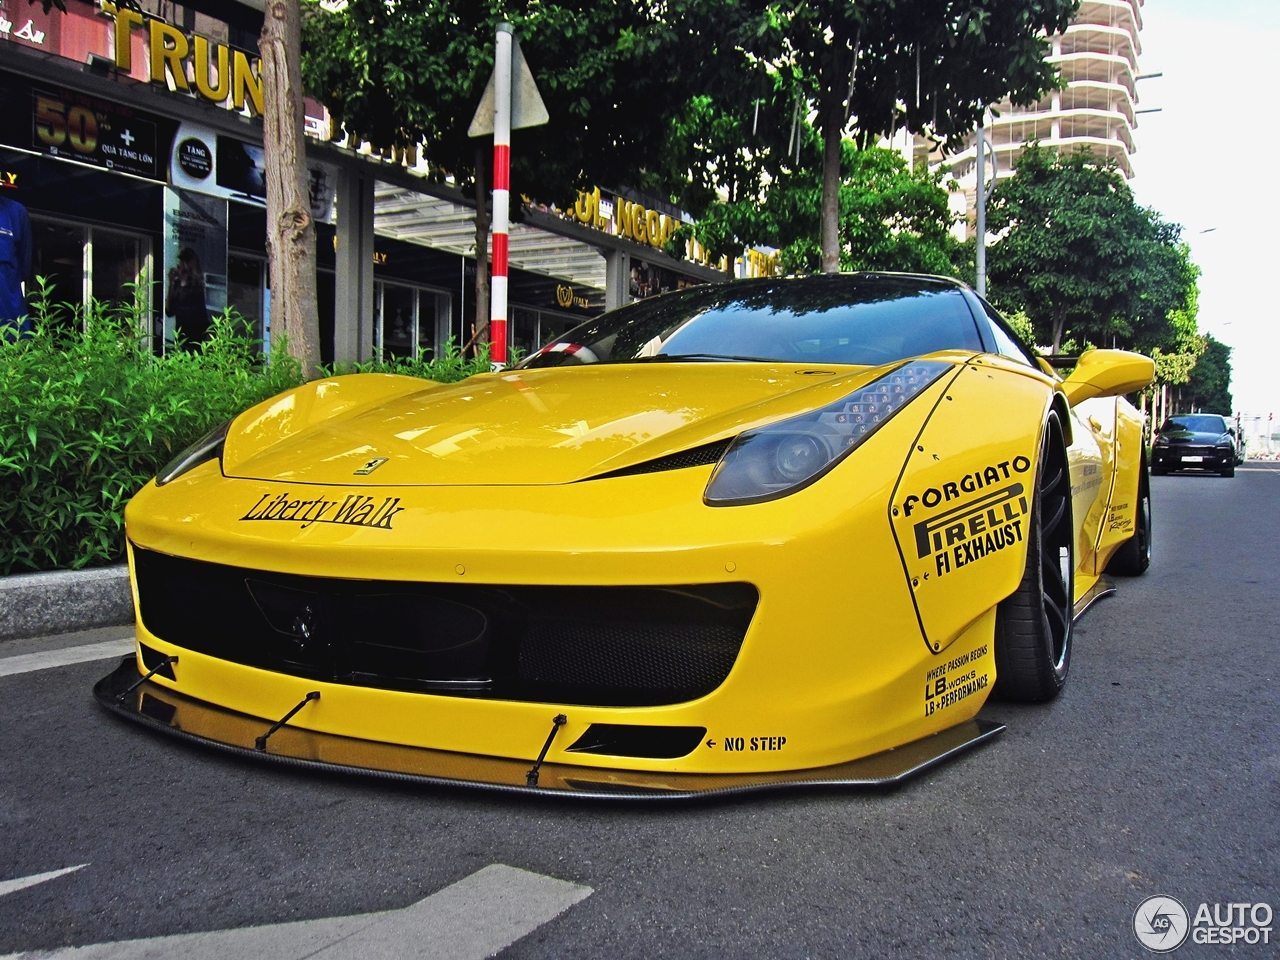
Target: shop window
<point x="326" y="307"/>
<point x="409" y="322"/>
<point x="552" y="327"/>
<point x="116" y="265"/>
<point x="82" y="262"/>
<point x="399" y="316"/>
<point x="246" y="288"/>
<point x="57" y="255"/>
<point x="530" y="330"/>
<point x="524" y="330"/>
<point x="427" y="304"/>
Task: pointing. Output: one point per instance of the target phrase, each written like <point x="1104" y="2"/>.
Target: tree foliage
<point x="1082" y="259"/>
<point x="1174" y="364"/>
<point x="928" y="66"/>
<point x="703" y="101"/>
<point x="1209" y="386"/>
<point x="615" y="77"/>
<point x="891" y="218"/>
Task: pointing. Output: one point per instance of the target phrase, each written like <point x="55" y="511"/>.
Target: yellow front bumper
<point x="833" y="666"/>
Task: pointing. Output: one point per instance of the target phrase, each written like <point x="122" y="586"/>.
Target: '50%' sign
<point x="94" y="131"/>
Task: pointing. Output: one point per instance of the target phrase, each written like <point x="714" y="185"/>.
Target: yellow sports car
<point x="754" y="534"/>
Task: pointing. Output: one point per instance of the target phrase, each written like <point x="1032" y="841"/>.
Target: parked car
<point x="1197" y="441"/>
<point x="733" y="537"/>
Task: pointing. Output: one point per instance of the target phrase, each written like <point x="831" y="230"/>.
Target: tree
<point x="291" y="232"/>
<point x="1174" y="364"/>
<point x="1209" y="386"/>
<point x="891" y="218"/>
<point x="404" y="74"/>
<point x="1081" y="258"/>
<point x="614" y="77"/>
<point x="928" y="66"/>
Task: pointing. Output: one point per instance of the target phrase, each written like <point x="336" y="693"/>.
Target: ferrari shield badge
<point x="371" y="466"/>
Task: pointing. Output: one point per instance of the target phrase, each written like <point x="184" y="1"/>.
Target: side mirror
<point x="1108" y="373"/>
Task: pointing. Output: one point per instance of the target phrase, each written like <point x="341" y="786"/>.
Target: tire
<point x="1034" y="625"/>
<point x="1228" y="471"/>
<point x="1159" y="471"/>
<point x="1134" y="555"/>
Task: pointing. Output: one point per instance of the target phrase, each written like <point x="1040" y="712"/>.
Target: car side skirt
<point x="166" y="711"/>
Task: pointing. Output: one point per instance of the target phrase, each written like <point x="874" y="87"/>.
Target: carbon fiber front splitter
<point x="164" y="710"/>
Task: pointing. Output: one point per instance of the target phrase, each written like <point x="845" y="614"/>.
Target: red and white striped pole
<point x="501" y="195"/>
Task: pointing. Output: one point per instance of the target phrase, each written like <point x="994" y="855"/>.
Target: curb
<point x="61" y="601"/>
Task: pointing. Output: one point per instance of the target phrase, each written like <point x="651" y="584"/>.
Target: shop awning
<point x="444" y="225"/>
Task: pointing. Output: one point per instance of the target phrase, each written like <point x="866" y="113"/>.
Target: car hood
<point x="543" y="426"/>
<point x="1194" y="436"/>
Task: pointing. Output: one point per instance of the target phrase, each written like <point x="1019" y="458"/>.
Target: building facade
<point x="1097" y="56"/>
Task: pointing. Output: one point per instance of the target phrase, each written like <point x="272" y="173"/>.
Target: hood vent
<point x="708" y="453"/>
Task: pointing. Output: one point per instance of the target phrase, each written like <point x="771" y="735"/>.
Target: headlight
<point x="1162" y="441"/>
<point x="206" y="448"/>
<point x="784" y="457"/>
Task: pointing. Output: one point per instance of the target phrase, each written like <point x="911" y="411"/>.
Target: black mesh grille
<point x="639" y="656"/>
<point x="708" y="453"/>
<point x="610" y="646"/>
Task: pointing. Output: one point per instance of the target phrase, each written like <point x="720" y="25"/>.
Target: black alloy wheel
<point x="1034" y="625"/>
<point x="1134" y="555"/>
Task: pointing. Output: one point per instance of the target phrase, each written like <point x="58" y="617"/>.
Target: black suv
<point x="1197" y="441"/>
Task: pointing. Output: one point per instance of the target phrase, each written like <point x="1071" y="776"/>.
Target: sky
<point x="1209" y="161"/>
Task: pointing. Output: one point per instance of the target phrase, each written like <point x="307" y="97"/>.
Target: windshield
<point x="1199" y="423"/>
<point x="835" y="319"/>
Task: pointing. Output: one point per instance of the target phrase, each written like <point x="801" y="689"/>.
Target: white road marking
<point x="21" y="883"/>
<point x="470" y="920"/>
<point x="27" y="662"/>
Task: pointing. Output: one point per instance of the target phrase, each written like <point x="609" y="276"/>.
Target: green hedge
<point x="88" y="415"/>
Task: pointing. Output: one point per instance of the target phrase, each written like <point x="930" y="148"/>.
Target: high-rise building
<point x="1097" y="56"/>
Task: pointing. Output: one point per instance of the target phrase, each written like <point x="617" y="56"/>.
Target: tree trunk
<point x="291" y="235"/>
<point x="480" y="328"/>
<point x="1059" y="324"/>
<point x="832" y="115"/>
<point x="832" y="138"/>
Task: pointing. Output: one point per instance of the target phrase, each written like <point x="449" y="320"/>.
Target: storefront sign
<point x="81" y="127"/>
<point x="26" y="32"/>
<point x="176" y="59"/>
<point x="194" y="158"/>
<point x="620" y="217"/>
<point x="624" y="218"/>
<point x="565" y="297"/>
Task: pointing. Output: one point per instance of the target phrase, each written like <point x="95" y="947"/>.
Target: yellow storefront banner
<point x="188" y="63"/>
<point x="620" y="217"/>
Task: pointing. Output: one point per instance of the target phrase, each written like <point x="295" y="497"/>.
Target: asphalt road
<point x="1156" y="772"/>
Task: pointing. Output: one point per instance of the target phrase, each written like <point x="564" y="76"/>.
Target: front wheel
<point x="1228" y="471"/>
<point x="1033" y="626"/>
